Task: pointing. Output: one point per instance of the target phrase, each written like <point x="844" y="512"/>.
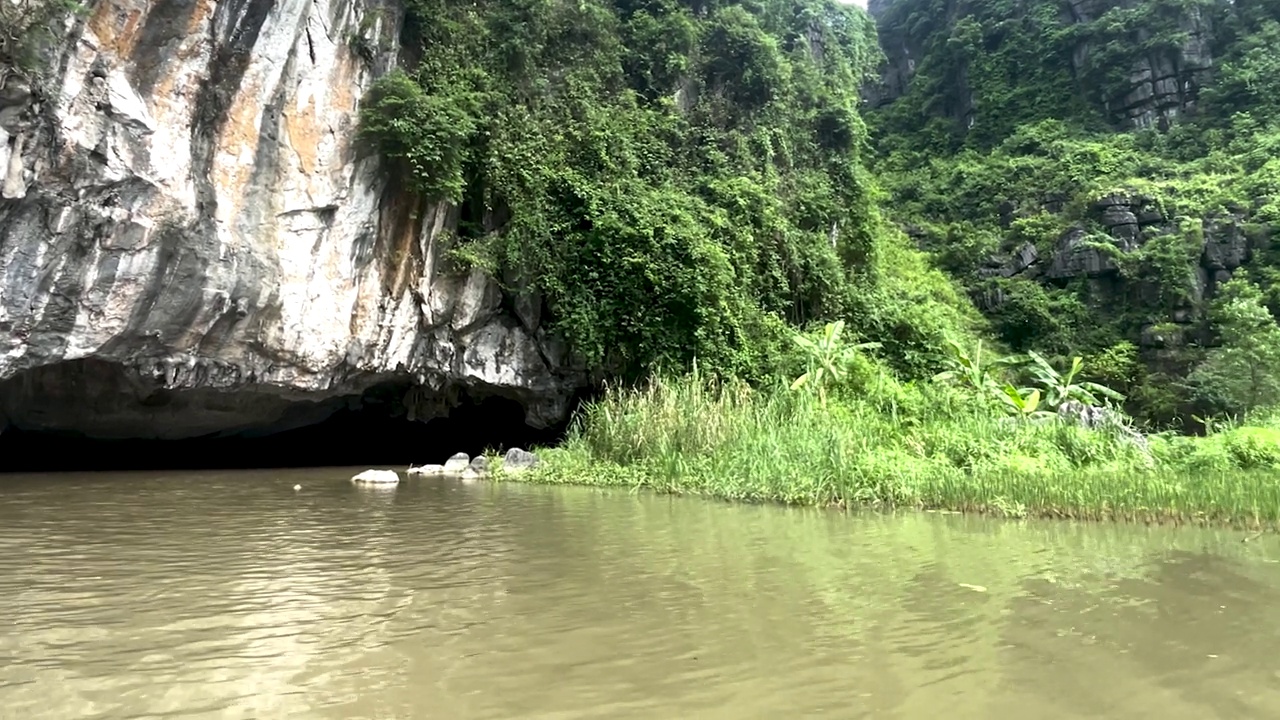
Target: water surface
<point x="230" y="595"/>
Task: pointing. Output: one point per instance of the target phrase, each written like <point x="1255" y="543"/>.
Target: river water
<point x="231" y="595"/>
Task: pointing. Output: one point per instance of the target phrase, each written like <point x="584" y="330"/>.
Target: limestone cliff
<point x="1142" y="63"/>
<point x="193" y="241"/>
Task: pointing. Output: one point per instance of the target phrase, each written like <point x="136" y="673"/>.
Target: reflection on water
<point x="230" y="595"/>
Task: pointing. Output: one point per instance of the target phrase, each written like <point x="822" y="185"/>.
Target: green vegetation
<point x="26" y="26"/>
<point x="676" y="179"/>
<point x="688" y="184"/>
<point x="1017" y="127"/>
<point x="943" y="445"/>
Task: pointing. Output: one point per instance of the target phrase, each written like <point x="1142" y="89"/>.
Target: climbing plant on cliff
<point x="678" y="179"/>
<point x="25" y="27"/>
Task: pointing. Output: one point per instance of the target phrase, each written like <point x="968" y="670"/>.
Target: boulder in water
<point x="456" y="464"/>
<point x="517" y="460"/>
<point x="376" y="477"/>
<point x="478" y="469"/>
<point x="425" y="470"/>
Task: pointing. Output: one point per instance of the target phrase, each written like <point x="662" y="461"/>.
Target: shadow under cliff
<point x="374" y="434"/>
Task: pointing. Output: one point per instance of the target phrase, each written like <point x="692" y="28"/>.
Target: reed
<point x="885" y="444"/>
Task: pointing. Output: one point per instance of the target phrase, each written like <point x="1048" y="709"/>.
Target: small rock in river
<point x="377" y="477"/>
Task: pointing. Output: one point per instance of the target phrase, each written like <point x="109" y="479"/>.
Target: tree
<point x="1243" y="372"/>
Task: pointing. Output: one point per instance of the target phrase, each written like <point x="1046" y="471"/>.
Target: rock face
<point x="1123" y="223"/>
<point x="193" y="241"/>
<point x="1126" y="223"/>
<point x="1163" y="79"/>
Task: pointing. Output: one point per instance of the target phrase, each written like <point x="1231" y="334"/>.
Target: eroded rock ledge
<point x="192" y="240"/>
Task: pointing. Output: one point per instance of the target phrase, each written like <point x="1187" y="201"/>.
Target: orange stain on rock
<point x="116" y="27"/>
<point x="304" y="136"/>
<point x="237" y="145"/>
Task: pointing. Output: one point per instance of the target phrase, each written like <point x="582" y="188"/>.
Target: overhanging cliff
<point x="239" y="216"/>
<point x="193" y="241"/>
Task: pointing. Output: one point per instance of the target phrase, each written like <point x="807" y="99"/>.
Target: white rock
<point x="456" y="464"/>
<point x="425" y="470"/>
<point x="377" y="477"/>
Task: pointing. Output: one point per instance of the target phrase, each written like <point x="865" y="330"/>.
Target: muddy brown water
<point x="230" y="595"/>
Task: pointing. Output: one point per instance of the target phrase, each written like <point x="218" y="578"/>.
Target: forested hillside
<point x="1103" y="177"/>
<point x="674" y="179"/>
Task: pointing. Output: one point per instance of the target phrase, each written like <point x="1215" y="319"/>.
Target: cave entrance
<point x="377" y="433"/>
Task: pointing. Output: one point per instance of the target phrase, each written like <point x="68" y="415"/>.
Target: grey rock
<point x="457" y="463"/>
<point x="517" y="460"/>
<point x="425" y="470"/>
<point x="1080" y="414"/>
<point x="1120" y="222"/>
<point x="479" y="464"/>
<point x="1074" y="256"/>
<point x="1023" y="258"/>
<point x="1102" y="418"/>
<point x="1150" y="216"/>
<point x="1163" y="83"/>
<point x="1225" y="244"/>
<point x="191" y="245"/>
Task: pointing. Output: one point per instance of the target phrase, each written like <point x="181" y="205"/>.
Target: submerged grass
<point x="884" y="444"/>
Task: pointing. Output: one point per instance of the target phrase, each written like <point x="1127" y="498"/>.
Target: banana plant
<point x="1060" y="387"/>
<point x="828" y="357"/>
<point x="1024" y="402"/>
<point x="970" y="370"/>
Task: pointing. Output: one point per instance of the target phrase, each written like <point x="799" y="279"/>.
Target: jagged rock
<point x="1121" y="224"/>
<point x="1073" y="256"/>
<point x="376" y="477"/>
<point x="1023" y="258"/>
<point x="193" y="242"/>
<point x="1164" y="335"/>
<point x="1162" y="82"/>
<point x="517" y="460"/>
<point x="1077" y="413"/>
<point x="1225" y="245"/>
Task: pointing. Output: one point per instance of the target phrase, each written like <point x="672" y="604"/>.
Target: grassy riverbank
<point x="931" y="446"/>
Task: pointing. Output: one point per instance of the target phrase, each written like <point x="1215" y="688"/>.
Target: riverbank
<point x="925" y="446"/>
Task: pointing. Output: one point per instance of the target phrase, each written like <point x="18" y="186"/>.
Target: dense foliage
<point x="678" y="179"/>
<point x="1021" y="116"/>
<point x="687" y="184"/>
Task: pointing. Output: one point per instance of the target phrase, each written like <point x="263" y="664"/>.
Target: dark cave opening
<point x="377" y="433"/>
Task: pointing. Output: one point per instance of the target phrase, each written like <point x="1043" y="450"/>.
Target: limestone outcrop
<point x="1161" y="80"/>
<point x="193" y="239"/>
<point x="460" y="466"/>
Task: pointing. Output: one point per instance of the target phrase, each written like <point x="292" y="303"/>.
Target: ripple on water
<point x="230" y="595"/>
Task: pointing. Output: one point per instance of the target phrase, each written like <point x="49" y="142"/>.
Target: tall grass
<point x="884" y="444"/>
